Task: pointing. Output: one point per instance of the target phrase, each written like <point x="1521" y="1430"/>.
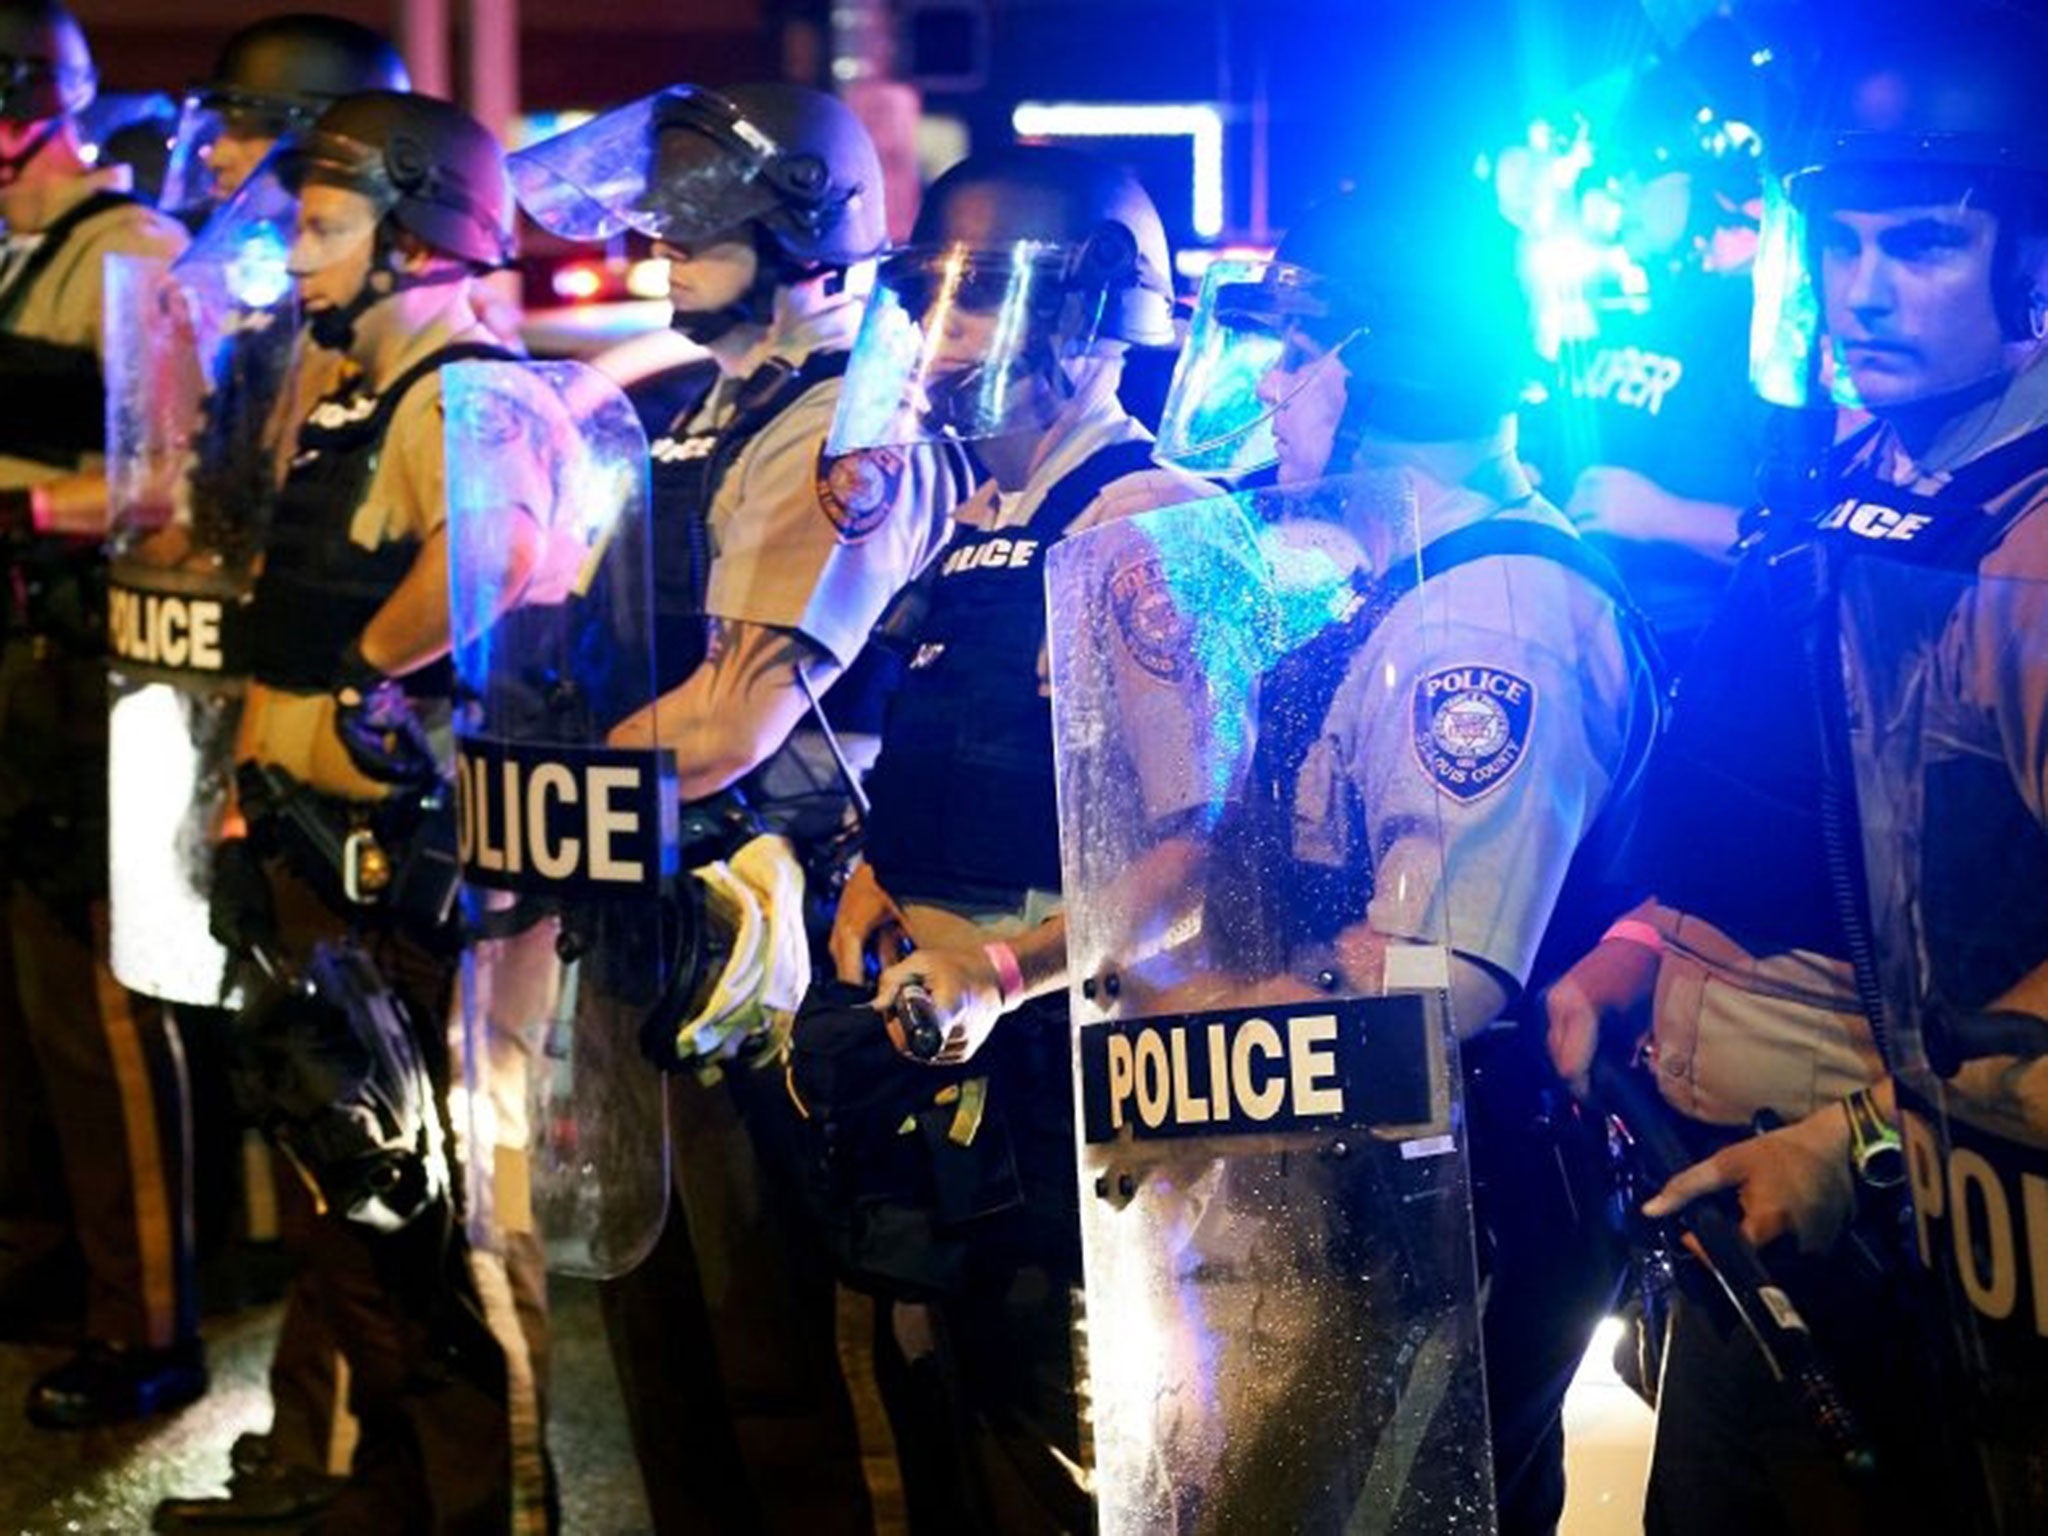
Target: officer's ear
<point x="410" y="254"/>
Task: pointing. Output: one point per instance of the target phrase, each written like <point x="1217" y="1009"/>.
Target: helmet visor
<point x="957" y="343"/>
<point x="1252" y="319"/>
<point x="679" y="166"/>
<point x="221" y="136"/>
<point x="240" y="261"/>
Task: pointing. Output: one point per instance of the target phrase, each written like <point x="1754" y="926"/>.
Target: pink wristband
<point x="1009" y="975"/>
<point x="1633" y="930"/>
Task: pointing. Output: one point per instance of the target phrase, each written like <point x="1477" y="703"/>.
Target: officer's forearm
<point x="56" y="405"/>
<point x="1478" y="995"/>
<point x="1042" y="956"/>
<point x="74" y="504"/>
<point x="1709" y="528"/>
<point x="731" y="714"/>
<point x="411" y="629"/>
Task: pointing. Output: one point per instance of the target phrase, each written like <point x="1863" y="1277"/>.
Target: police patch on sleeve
<point x="1472" y="727"/>
<point x="1149" y="620"/>
<point x="856" y="490"/>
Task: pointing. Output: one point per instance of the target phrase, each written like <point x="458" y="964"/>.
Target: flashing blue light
<point x="256" y="274"/>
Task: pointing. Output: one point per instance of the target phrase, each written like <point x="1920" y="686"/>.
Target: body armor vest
<point x="964" y="797"/>
<point x="319" y="588"/>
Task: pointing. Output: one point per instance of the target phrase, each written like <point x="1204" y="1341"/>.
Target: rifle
<point x="1712" y="1236"/>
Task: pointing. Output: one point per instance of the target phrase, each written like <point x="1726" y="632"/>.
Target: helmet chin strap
<point x="754" y="307"/>
<point x="11" y="166"/>
<point x="335" y="329"/>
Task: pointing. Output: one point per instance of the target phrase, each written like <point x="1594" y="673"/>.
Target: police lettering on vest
<point x="1258" y="1071"/>
<point x="681" y="450"/>
<point x="545" y="818"/>
<point x="1010" y="554"/>
<point x="1869" y="520"/>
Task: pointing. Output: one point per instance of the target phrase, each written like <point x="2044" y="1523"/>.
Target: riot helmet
<point x="46" y="77"/>
<point x="270" y="79"/>
<point x="1675" y="166"/>
<point x="1943" y="119"/>
<point x="787" y="170"/>
<point x="420" y="165"/>
<point x="1407" y="297"/>
<point x="1022" y="262"/>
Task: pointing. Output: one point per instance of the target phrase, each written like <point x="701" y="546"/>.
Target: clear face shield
<point x="1787" y="364"/>
<point x="679" y="166"/>
<point x="1250" y="360"/>
<point x="222" y="137"/>
<point x="961" y="344"/>
<point x="240" y="259"/>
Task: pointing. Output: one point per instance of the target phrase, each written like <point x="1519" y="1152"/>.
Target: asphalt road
<point x="108" y="1481"/>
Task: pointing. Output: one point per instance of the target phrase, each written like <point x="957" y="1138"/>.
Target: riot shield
<point x="1945" y="673"/>
<point x="197" y="359"/>
<point x="1276" y="1213"/>
<point x="568" y="846"/>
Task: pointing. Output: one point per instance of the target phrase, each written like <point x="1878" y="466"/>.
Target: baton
<point x="1713" y="1237"/>
<point x="923" y="1035"/>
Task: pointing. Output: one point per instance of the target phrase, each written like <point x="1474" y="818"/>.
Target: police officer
<point x="962" y="840"/>
<point x="773" y="561"/>
<point x="403" y="202"/>
<point x="269" y="79"/>
<point x="1652" y="437"/>
<point x="1922" y="190"/>
<point x="107" y="1065"/>
<point x="1386" y="362"/>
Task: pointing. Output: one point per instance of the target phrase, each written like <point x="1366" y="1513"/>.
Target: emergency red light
<point x="579" y="282"/>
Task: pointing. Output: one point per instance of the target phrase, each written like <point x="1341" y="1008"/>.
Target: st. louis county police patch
<point x="1150" y="621"/>
<point x="1472" y="727"/>
<point x="856" y="490"/>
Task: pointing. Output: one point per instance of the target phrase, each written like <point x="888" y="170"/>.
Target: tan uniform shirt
<point x="64" y="304"/>
<point x="810" y="545"/>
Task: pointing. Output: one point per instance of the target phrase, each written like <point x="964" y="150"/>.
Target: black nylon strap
<point x="379" y="420"/>
<point x="55" y="236"/>
<point x="1072" y="493"/>
<point x="769" y="391"/>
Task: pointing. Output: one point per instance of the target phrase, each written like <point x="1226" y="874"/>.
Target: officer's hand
<point x="966" y="996"/>
<point x="240" y="914"/>
<point x="377" y="726"/>
<point x="1795" y="1179"/>
<point x="1625" y="505"/>
<point x="1595" y="997"/>
<point x="868" y="922"/>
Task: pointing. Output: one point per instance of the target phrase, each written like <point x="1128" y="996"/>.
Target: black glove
<point x="377" y="726"/>
<point x="240" y="913"/>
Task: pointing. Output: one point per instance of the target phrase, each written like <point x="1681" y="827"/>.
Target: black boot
<point x="264" y="1496"/>
<point x="111" y="1383"/>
